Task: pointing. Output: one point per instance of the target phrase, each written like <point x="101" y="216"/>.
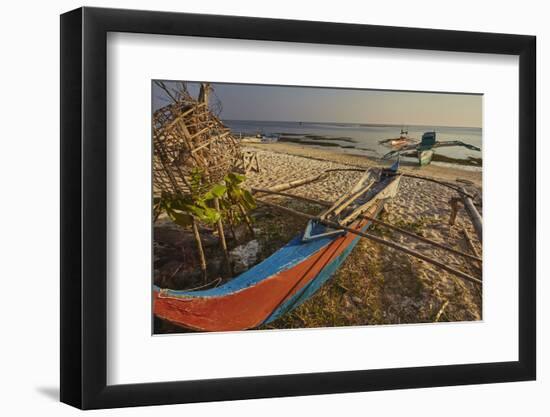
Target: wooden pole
<point x="231" y="226"/>
<point x="459" y="190"/>
<point x="376" y="239"/>
<point x="471" y="245"/>
<point x="348" y="196"/>
<point x="200" y="249"/>
<point x="477" y="221"/>
<point x="221" y="235"/>
<point x="423" y="239"/>
<point x="204" y="93"/>
<point x="348" y="199"/>
<point x="454" y="210"/>
<point x="379" y="222"/>
<point x="246" y="218"/>
<point x="296" y="183"/>
<point x="297" y="197"/>
<point x="441" y="310"/>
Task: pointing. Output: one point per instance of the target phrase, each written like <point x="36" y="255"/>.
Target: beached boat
<point x="402" y="140"/>
<point x="424" y="150"/>
<point x="292" y="274"/>
<point x="270" y="138"/>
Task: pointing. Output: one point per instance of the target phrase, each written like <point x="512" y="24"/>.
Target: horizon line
<point x="355" y="123"/>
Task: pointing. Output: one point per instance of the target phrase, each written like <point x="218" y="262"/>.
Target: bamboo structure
<point x="188" y="138"/>
<point x="249" y="162"/>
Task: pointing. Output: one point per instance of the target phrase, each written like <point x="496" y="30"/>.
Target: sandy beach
<point x="376" y="284"/>
<point x="214" y="227"/>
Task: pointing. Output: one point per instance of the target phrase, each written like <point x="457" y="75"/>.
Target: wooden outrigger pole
<point x="459" y="190"/>
<point x="324" y="203"/>
<point x="351" y="196"/>
<point x="477" y="221"/>
<point x="374" y="238"/>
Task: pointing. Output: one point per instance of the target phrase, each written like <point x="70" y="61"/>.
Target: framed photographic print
<point x="257" y="208"/>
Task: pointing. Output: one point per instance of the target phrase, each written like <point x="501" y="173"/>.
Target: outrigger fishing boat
<point x="295" y="272"/>
<point x="292" y="274"/>
<point x="423" y="150"/>
<point x="402" y="140"/>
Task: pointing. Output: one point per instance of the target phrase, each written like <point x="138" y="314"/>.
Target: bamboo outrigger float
<point x="295" y="272"/>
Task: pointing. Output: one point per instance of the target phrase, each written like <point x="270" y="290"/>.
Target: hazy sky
<point x="306" y="104"/>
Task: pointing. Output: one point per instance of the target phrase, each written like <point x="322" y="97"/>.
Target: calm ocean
<point x="357" y="138"/>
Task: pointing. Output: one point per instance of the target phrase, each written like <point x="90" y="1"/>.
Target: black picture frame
<point x="84" y="207"/>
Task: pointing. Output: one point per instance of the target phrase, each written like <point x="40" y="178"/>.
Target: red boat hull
<point x="249" y="307"/>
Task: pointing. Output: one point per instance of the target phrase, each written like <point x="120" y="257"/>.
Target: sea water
<point x="358" y="138"/>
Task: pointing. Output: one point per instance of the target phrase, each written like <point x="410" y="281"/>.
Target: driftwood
<point x="376" y="239"/>
<point x="477" y="221"/>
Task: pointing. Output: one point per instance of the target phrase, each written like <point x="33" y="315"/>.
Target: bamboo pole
<point x="376" y="221"/>
<point x="423" y="239"/>
<point x="441" y="310"/>
<point x="346" y="200"/>
<point x="347" y="195"/>
<point x="200" y="132"/>
<point x="454" y="210"/>
<point x="246" y="218"/>
<point x="477" y="221"/>
<point x="459" y="190"/>
<point x="221" y="235"/>
<point x="376" y="239"/>
<point x="200" y="249"/>
<point x="297" y="197"/>
<point x="209" y="141"/>
<point x="471" y="245"/>
<point x="181" y="116"/>
<point x="296" y="183"/>
<point x="469" y="240"/>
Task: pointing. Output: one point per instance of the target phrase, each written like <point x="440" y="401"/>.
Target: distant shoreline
<point x="363" y="139"/>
